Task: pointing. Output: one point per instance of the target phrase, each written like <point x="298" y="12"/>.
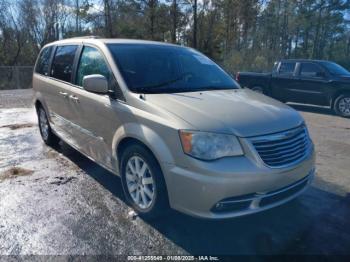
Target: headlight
<point x="209" y="146"/>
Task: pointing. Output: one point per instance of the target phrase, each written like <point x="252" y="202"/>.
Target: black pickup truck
<point x="315" y="82"/>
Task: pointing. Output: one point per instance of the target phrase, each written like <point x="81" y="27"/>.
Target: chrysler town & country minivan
<point x="177" y="129"/>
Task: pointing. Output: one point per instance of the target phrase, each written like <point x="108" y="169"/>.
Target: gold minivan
<point x="177" y="129"/>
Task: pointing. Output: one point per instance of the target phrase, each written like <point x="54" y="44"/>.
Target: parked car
<point x="315" y="82"/>
<point x="176" y="128"/>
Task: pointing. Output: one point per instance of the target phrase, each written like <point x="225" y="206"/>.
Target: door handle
<point x="74" y="98"/>
<point x="63" y="94"/>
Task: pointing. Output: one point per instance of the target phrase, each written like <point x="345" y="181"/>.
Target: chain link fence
<point x="16" y="77"/>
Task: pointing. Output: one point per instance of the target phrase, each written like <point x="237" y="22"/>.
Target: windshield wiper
<point x="184" y="89"/>
<point x="207" y="88"/>
<point x="163" y="84"/>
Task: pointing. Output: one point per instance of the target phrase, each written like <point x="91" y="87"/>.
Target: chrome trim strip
<point x="305" y="91"/>
<point x="299" y="152"/>
<point x="286" y="148"/>
<point x="278" y="136"/>
<point x="255" y="209"/>
<point x="284" y="135"/>
<point x="77" y="127"/>
<point x="277" y="144"/>
<point x="261" y="196"/>
<point x="307" y="154"/>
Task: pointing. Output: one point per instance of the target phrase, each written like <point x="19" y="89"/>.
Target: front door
<point x="311" y="84"/>
<point x="95" y="115"/>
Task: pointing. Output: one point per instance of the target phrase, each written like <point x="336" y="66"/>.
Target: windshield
<point x="335" y="69"/>
<point x="150" y="68"/>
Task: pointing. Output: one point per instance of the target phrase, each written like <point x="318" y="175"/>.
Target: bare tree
<point x="108" y="17"/>
<point x="77" y="16"/>
<point x="195" y="9"/>
<point x="174" y="18"/>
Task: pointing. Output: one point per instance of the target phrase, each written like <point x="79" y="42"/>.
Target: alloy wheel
<point x="44" y="124"/>
<point x="344" y="106"/>
<point x="140" y="182"/>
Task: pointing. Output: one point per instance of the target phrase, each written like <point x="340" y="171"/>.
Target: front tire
<point x="341" y="105"/>
<point x="45" y="130"/>
<point x="143" y="182"/>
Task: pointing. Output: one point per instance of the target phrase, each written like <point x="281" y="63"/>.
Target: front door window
<point x="91" y="62"/>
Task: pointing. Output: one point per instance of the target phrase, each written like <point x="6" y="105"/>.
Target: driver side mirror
<point x="95" y="84"/>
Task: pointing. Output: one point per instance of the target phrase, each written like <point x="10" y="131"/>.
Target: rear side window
<point x="62" y="64"/>
<point x="91" y="62"/>
<point x="43" y="64"/>
<point x="287" y="68"/>
<point x="310" y="70"/>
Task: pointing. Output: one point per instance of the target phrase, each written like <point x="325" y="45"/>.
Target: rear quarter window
<point x="62" y="64"/>
<point x="43" y="64"/>
<point x="287" y="68"/>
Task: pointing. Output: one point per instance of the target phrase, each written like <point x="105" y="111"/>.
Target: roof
<point x="96" y="39"/>
<point x="303" y="60"/>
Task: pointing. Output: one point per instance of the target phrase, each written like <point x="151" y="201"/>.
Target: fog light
<point x="231" y="206"/>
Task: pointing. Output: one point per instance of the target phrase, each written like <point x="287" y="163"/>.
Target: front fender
<point x="146" y="136"/>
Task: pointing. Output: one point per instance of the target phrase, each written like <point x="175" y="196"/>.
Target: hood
<point x="241" y="112"/>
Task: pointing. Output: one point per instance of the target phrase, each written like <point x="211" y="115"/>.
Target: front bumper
<point x="235" y="187"/>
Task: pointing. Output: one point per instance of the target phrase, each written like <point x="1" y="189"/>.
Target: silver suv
<point x="177" y="129"/>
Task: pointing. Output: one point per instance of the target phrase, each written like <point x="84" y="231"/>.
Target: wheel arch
<point x="127" y="141"/>
<point x="40" y="101"/>
<point x="256" y="85"/>
<point x="133" y="132"/>
<point x="37" y="104"/>
<point x="336" y="95"/>
<point x="264" y="87"/>
<point x="160" y="152"/>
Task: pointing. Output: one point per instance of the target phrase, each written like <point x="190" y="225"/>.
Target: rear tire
<point x="143" y="182"/>
<point x="341" y="105"/>
<point x="45" y="129"/>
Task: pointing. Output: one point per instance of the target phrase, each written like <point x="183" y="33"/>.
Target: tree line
<point x="238" y="34"/>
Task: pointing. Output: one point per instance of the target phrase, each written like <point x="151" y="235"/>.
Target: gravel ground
<point x="57" y="202"/>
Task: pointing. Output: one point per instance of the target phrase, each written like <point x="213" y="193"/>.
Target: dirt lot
<point x="56" y="201"/>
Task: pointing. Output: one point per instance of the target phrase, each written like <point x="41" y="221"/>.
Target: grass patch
<point x="14" y="172"/>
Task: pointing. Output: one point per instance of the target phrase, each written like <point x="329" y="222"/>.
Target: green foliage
<point x="238" y="34"/>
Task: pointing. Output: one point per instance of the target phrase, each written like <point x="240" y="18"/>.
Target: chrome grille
<point x="285" y="148"/>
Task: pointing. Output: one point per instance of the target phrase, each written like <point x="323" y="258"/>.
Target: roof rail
<point x="86" y="37"/>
